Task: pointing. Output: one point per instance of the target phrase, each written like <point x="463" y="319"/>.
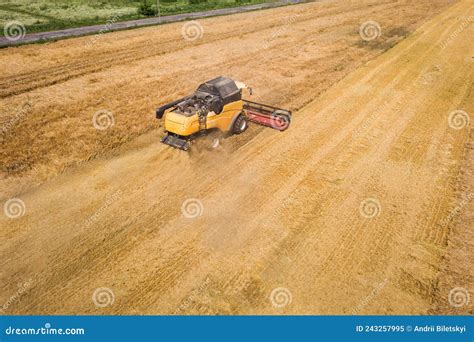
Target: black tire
<point x="240" y="124"/>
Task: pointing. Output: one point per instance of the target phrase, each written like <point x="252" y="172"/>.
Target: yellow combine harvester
<point x="216" y="105"/>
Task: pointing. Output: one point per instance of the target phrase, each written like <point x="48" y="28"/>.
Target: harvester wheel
<point x="240" y="124"/>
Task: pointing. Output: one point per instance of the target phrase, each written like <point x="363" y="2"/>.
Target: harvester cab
<point x="216" y="106"/>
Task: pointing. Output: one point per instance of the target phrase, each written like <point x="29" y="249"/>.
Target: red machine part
<point x="268" y="116"/>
